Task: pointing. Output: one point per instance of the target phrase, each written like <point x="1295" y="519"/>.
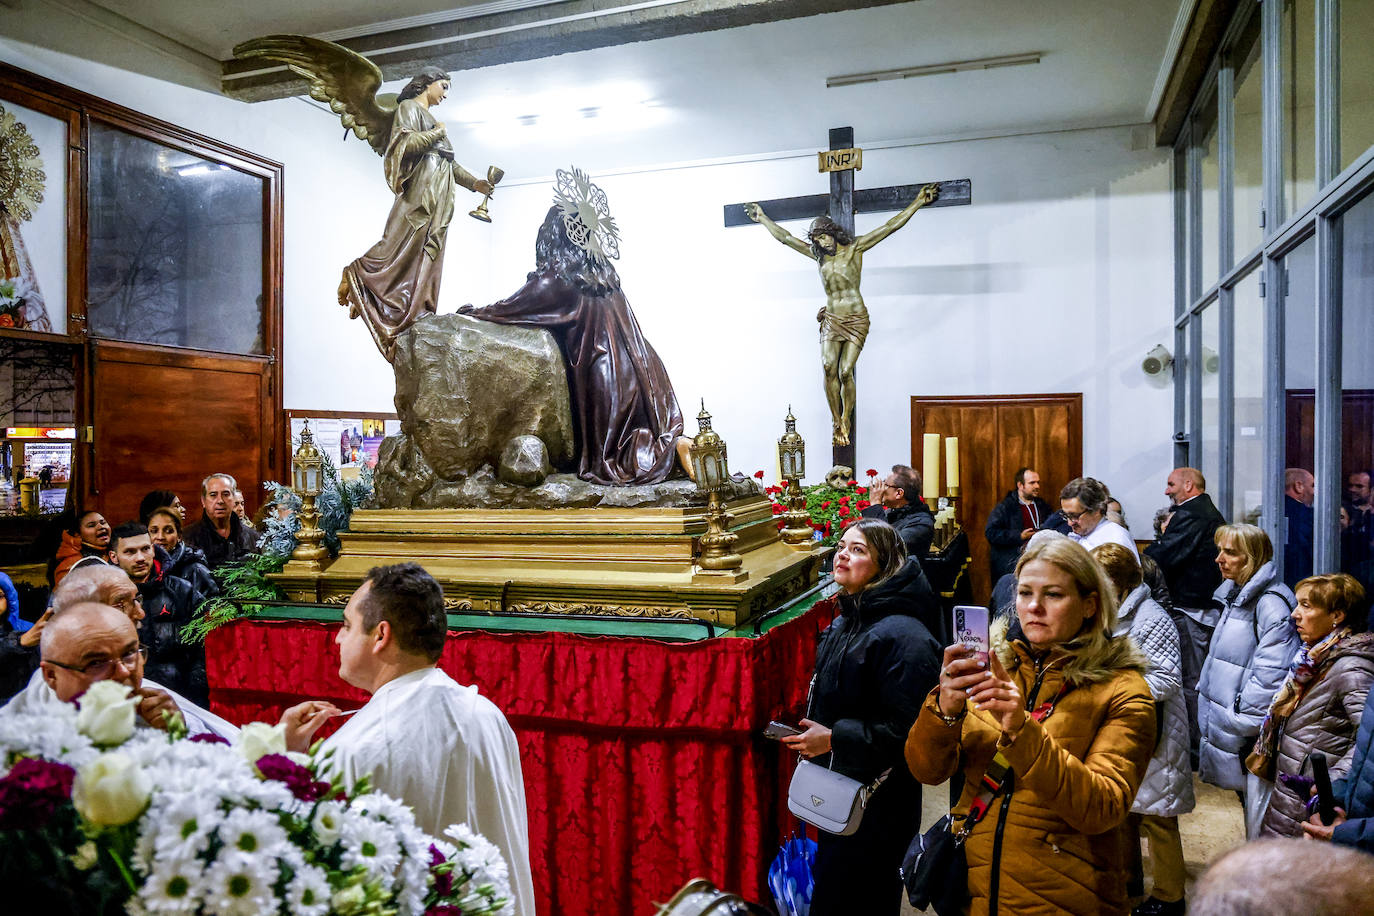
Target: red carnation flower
<point x="871" y="473"/>
<point x="853" y="483"/>
<point x="781" y="524"/>
<point x="32" y="792"/>
<point x="758" y="474"/>
<point x="864" y="504"/>
<point x="778" y="507"/>
<point x="844" y="500"/>
<point x="297" y="778"/>
<point x="862" y="491"/>
<point x="844" y="511"/>
<point x="826" y="504"/>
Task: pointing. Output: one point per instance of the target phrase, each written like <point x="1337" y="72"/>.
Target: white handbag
<point x="828" y="800"/>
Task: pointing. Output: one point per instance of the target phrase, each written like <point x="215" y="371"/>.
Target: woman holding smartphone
<point x="873" y="665"/>
<point x="1060" y="720"/>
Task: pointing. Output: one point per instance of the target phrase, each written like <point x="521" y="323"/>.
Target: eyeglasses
<point x="1073" y="516"/>
<point x="123" y="604"/>
<point x="102" y="669"/>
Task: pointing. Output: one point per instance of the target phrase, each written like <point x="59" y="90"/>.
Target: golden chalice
<point x="494" y="175"/>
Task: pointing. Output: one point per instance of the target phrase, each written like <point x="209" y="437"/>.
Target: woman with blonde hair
<point x="1247" y="662"/>
<point x="1319" y="707"/>
<point x="1053" y="731"/>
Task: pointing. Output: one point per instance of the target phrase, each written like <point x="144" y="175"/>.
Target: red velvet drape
<point x="642" y="760"/>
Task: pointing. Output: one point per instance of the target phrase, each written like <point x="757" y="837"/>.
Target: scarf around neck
<point x="1302" y="673"/>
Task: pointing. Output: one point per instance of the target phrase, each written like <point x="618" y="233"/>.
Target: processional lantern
<point x="709" y="464"/>
<point x="307" y="473"/>
<point x="797" y="530"/>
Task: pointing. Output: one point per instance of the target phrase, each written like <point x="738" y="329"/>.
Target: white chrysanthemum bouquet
<point x="97" y="817"/>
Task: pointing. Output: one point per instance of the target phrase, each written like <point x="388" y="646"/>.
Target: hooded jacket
<point x="71" y="551"/>
<point x="1050" y="842"/>
<point x="187" y="562"/>
<point x="915" y="525"/>
<point x="873" y="665"/>
<point x="169" y="604"/>
<point x="1252" y="647"/>
<point x="1326" y="720"/>
<point x="1168" y="787"/>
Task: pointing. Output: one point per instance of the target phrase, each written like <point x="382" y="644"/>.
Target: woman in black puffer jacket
<point x="874" y="665"/>
<point x="175" y="556"/>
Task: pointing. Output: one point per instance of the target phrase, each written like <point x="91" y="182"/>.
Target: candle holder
<point x="708" y="456"/>
<point x="306" y="467"/>
<point x="797" y="530"/>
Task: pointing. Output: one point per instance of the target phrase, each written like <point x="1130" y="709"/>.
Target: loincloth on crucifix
<point x="852" y="328"/>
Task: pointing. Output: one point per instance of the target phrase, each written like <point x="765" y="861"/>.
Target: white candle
<point x="951" y="463"/>
<point x="930" y="466"/>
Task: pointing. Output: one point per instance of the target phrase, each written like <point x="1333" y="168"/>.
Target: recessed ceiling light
<point x="901" y="73"/>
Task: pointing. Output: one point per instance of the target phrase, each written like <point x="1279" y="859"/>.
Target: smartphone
<point x="778" y="730"/>
<point x="1326" y="802"/>
<point x="971" y="629"/>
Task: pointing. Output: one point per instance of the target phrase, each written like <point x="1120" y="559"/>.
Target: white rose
<point x="258" y="739"/>
<point x="106" y="713"/>
<point x="111" y="790"/>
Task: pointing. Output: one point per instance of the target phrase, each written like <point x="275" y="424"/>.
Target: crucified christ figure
<point x="844" y="319"/>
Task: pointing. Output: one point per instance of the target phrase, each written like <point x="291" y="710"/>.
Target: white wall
<point x="1057" y="279"/>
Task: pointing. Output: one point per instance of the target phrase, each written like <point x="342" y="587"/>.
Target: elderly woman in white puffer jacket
<point x="1247" y="663"/>
<point x="1167" y="790"/>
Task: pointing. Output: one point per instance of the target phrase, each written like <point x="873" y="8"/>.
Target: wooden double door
<point x="164" y="419"/>
<point x="997" y="436"/>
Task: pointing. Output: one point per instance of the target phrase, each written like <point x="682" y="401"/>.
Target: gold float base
<point x="633" y="562"/>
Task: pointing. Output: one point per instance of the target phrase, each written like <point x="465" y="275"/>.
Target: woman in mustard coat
<point x="1066" y="707"/>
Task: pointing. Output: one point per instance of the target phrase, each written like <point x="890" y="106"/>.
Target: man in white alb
<point x="1083" y="503"/>
<point x="437" y="745"/>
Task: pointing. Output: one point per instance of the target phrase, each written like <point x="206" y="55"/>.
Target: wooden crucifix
<point x="844" y="319"/>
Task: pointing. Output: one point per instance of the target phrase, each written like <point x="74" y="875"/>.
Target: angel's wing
<point x="344" y="80"/>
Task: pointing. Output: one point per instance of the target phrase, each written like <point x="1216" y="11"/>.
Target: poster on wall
<point x="350" y="442"/>
<point x="33" y="219"/>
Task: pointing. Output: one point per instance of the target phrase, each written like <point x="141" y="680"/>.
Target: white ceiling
<point x="758" y="89"/>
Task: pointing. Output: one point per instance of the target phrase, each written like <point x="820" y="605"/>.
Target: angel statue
<point x="397" y="280"/>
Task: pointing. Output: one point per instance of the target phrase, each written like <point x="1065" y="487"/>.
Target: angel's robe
<point x="37" y="698"/>
<point x="397" y="281"/>
<point x="448" y="752"/>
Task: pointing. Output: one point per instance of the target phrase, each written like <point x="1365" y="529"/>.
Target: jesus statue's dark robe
<point x="625" y="413"/>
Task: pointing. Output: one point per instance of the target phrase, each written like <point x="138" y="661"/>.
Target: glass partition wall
<point x="1274" y="244"/>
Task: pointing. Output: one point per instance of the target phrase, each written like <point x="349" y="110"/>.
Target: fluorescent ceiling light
<point x="901" y="73"/>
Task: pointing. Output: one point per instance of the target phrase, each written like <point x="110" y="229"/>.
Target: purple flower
<point x="210" y="738"/>
<point x="297" y="778"/>
<point x="443" y="881"/>
<point x="444" y="909"/>
<point x="31" y="793"/>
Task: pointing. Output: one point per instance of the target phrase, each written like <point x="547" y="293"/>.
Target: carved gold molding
<point x="452" y="605"/>
<point x="599" y="610"/>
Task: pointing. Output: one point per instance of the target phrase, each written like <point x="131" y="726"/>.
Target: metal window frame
<point x="1321" y="217"/>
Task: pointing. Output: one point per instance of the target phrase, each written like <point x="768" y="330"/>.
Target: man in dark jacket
<point x="1299" y="489"/>
<point x="902" y="507"/>
<point x="220" y="534"/>
<point x="1186" y="553"/>
<point x="1013" y="521"/>
<point x="169" y="604"/>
